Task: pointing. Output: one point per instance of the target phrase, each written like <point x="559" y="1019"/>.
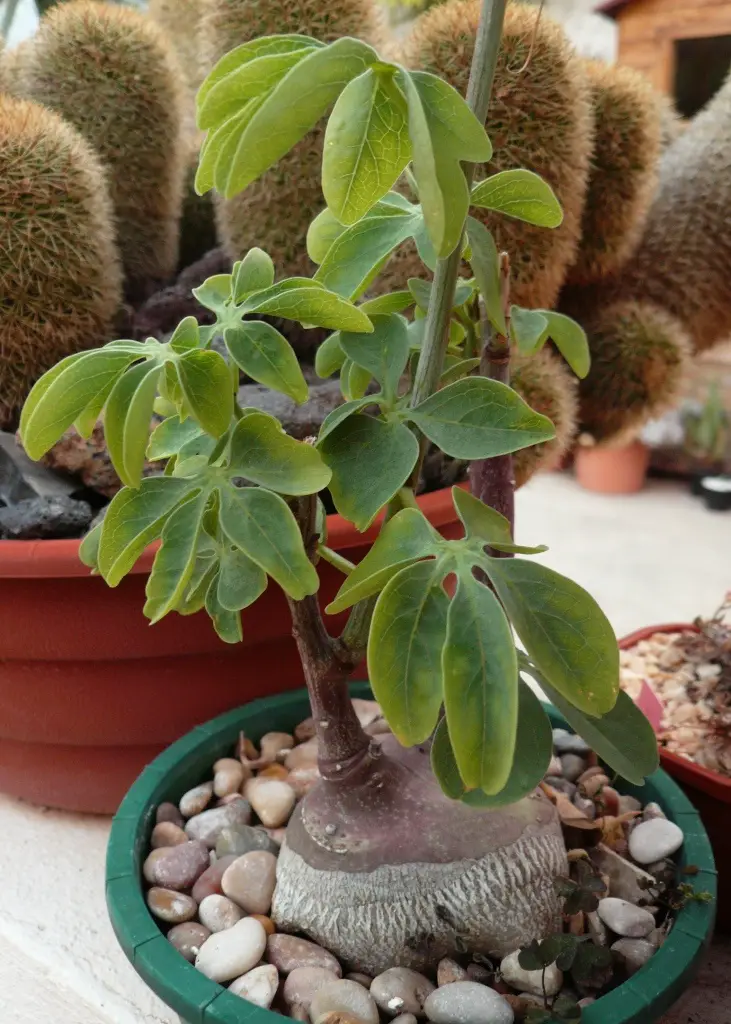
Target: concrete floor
<point x="653" y="557"/>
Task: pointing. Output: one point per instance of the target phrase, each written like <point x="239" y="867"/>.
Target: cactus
<point x="60" y="280"/>
<point x="109" y="72"/>
<point x="639" y="358"/>
<point x="628" y="114"/>
<point x="540" y="118"/>
<point x="197" y="222"/>
<point x="179" y="21"/>
<point x="683" y="263"/>
<point x="549" y="387"/>
<point x="275" y="211"/>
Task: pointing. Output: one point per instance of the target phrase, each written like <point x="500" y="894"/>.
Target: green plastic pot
<point x="641" y="1000"/>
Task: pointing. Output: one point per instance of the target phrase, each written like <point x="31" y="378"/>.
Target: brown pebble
<point x="303" y="756"/>
<point x="179" y="867"/>
<point x="449" y="971"/>
<point x="479" y="973"/>
<point x="577" y="924"/>
<point x="305" y="730"/>
<point x="209" y="883"/>
<point x="250" y="881"/>
<point x="594" y="784"/>
<point x="230" y="799"/>
<point x="338" y="1017"/>
<point x="501" y="987"/>
<point x="167" y="833"/>
<point x="610" y="801"/>
<point x="266" y="923"/>
<point x="196" y="800"/>
<point x="299" y="1012"/>
<point x="229" y="774"/>
<point x="518" y="1005"/>
<point x="303" y="983"/>
<point x="590" y="773"/>
<point x="188" y="938"/>
<point x="287" y="953"/>
<point x="274" y="771"/>
<point x="245" y="749"/>
<point x="148" y="868"/>
<point x="363" y="979"/>
<point x="171" y="906"/>
<point x="169" y="812"/>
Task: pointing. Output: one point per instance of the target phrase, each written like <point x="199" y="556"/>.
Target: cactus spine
<point x="275" y="211"/>
<point x="109" y="72"/>
<point x="60" y="280"/>
<point x="623" y="178"/>
<point x="545" y="382"/>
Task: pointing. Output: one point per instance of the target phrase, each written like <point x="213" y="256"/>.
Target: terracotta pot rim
<point x="711" y="782"/>
<point x="54" y="559"/>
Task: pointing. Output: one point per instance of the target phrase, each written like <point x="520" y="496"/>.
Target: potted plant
<point x="612" y="469"/>
<point x="677" y="673"/>
<point x="446" y="803"/>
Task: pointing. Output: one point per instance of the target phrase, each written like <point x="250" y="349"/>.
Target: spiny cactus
<point x="683" y="263"/>
<point x="549" y="387"/>
<point x="109" y="72"/>
<point x="639" y="358"/>
<point x="623" y="178"/>
<point x="197" y="222"/>
<point x="275" y="211"/>
<point x="540" y="118"/>
<point x="179" y="21"/>
<point x="60" y="280"/>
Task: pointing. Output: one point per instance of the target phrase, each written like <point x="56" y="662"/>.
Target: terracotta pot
<point x="709" y="791"/>
<point x="89" y="693"/>
<point x="612" y="470"/>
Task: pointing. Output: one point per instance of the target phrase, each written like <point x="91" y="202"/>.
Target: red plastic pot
<point x="89" y="693"/>
<point x="709" y="791"/>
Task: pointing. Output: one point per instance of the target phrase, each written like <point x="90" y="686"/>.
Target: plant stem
<point x="493" y="480"/>
<point x="342" y="564"/>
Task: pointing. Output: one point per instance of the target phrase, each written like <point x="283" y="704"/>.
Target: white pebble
<point x="530" y="981"/>
<point x="625" y="918"/>
<point x="272" y="799"/>
<point x="228" y="955"/>
<point x="467" y="1002"/>
<point x="229" y="776"/>
<point x="196" y="799"/>
<point x="218" y="913"/>
<point x="345" y="997"/>
<point x="258" y="986"/>
<point x="654" y="840"/>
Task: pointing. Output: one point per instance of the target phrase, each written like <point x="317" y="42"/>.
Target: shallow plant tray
<point x="641" y="1000"/>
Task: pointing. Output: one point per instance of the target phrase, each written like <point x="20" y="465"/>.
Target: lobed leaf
<point x="263" y="453"/>
<point x="175" y="560"/>
<point x="206" y="384"/>
<point x="127" y="420"/>
<point x="240" y="580"/>
<point x="170" y="436"/>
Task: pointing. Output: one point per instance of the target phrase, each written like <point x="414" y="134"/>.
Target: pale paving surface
<point x="654" y="557"/>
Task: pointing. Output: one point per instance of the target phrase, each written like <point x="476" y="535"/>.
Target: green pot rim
<point x="640" y="1000"/>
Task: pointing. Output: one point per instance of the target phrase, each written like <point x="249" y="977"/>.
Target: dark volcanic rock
<point x="45" y="518"/>
<point x="299" y="421"/>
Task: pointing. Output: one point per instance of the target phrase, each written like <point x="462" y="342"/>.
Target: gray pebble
<point x="654" y="840"/>
<point x="303" y="983"/>
<point x="169" y="812"/>
<point x="243" y="839"/>
<point x="625" y="919"/>
<point x="209" y="825"/>
<point x="401" y="990"/>
<point x="177" y="867"/>
<point x="634" y="953"/>
<point x="562" y="785"/>
<point x="345" y="997"/>
<point x="467" y="1002"/>
<point x="653" y="810"/>
<point x="573" y="766"/>
<point x="569" y="743"/>
<point x="196" y="799"/>
<point x="404" y="1018"/>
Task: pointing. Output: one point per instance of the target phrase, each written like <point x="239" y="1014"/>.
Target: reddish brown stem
<point x="493" y="480"/>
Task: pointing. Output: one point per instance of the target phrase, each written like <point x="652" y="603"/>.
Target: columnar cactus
<point x="109" y="72"/>
<point x="545" y="382"/>
<point x="60" y="280"/>
<point x="540" y="118"/>
<point x="179" y="21"/>
<point x="275" y="211"/>
<point x="628" y="116"/>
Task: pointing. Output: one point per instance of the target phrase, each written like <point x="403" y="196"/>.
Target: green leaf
<point x="329" y="357"/>
<point x="135" y="519"/>
<point x="262" y="525"/>
<point x="367" y="144"/>
<point x="570" y="339"/>
<point x="262" y="453"/>
<point x="240" y="581"/>
<point x="341" y="412"/>
<point x="403" y="540"/>
<point x="480" y="670"/>
<point x="254" y="273"/>
<point x="226" y="623"/>
<point x="186" y="336"/>
<point x="459" y="369"/>
<point x="42" y="385"/>
<point x="622" y="737"/>
<point x="443" y="132"/>
<point x="384" y="353"/>
<point x="354" y="381"/>
<point x="321" y="234"/>
<point x="528" y="329"/>
<point x="479" y="520"/>
<point x="533" y="750"/>
<point x="370" y="460"/>
<point x="85" y="423"/>
<point x="563" y="629"/>
<point x="224" y="99"/>
<point x="393" y="302"/>
<point x="485" y="263"/>
<point x="169" y="437"/>
<point x="53" y="406"/>
<point x="215" y="292"/>
<point x="293" y="107"/>
<point x="404" y="646"/>
<point x="246" y="52"/>
<point x="127" y="420"/>
<point x="220" y="145"/>
<point x="520" y="194"/>
<point x="89" y="547"/>
<point x="354" y="257"/>
<point x="478" y="418"/>
<point x="175" y="560"/>
<point x="206" y="383"/>
<point x="309" y="303"/>
<point x="266" y="356"/>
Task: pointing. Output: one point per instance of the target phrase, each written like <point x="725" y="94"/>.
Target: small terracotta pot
<point x="612" y="470"/>
<point x="90" y="694"/>
<point x="709" y="791"/>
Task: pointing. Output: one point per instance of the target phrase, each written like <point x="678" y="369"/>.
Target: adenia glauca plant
<point x="439" y="830"/>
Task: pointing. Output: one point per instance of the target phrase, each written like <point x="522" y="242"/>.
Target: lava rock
<point x="654" y="840"/>
<point x="625" y="919"/>
<point x="51" y="518"/>
<point x="401" y="990"/>
<point x="467" y="1002"/>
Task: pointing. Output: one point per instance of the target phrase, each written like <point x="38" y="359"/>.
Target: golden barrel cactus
<point x="60" y="279"/>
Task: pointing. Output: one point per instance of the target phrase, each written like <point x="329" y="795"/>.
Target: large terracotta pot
<point x="90" y="693"/>
<point x="709" y="791"/>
